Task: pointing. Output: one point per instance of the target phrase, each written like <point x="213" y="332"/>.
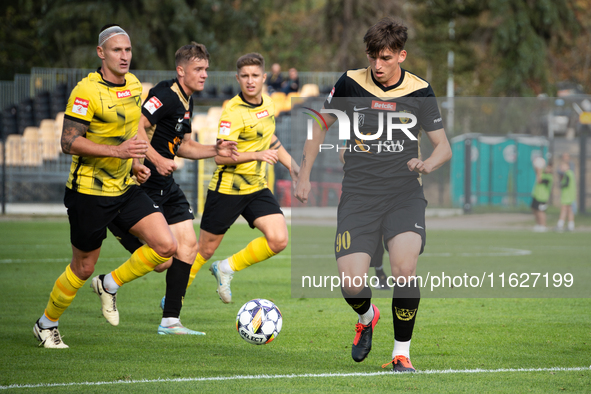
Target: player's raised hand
<point x="141" y="172"/>
<point x="133" y="148"/>
<point x="269" y="155"/>
<point x="419" y="166"/>
<point x="227" y="149"/>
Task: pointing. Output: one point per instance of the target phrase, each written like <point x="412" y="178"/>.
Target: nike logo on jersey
<point x="156" y="206"/>
<point x="359" y="109"/>
<point x="190" y="210"/>
<point x="112" y="106"/>
<point x="181" y="120"/>
<point x="417" y="226"/>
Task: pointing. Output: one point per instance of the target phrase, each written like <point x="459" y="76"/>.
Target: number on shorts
<point x="343" y="241"/>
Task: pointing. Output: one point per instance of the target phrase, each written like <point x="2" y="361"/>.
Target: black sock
<point x="360" y="302"/>
<point x="405" y="303"/>
<point x="177" y="277"/>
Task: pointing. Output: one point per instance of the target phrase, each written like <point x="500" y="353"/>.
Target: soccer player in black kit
<point x="166" y="122"/>
<point x="382" y="189"/>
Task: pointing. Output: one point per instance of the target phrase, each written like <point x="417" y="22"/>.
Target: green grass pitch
<point x="509" y="345"/>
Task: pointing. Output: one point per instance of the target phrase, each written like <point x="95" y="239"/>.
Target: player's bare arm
<point x="74" y="142"/>
<point x="285" y="158"/>
<point x="311" y="147"/>
<point x="441" y="154"/>
<point x="164" y="166"/>
<point x="270" y="156"/>
<point x="190" y="149"/>
<point x="141" y="172"/>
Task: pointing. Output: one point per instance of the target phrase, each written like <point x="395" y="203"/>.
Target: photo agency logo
<point x="371" y="123"/>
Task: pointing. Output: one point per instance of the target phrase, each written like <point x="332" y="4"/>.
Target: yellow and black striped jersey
<point x="252" y="127"/>
<point x="112" y="113"/>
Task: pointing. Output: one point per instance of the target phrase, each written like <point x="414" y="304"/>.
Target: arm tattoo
<point x="70" y="132"/>
<point x="303" y="159"/>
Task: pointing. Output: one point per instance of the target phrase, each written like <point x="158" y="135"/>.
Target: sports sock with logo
<point x="177" y="277"/>
<point x="197" y="264"/>
<point x="405" y="304"/>
<point x="361" y="303"/>
<point x="139" y="264"/>
<point x="63" y="293"/>
<point x="256" y="251"/>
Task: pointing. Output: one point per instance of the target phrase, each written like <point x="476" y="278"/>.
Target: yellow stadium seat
<point x="58" y="125"/>
<point x="213" y="116"/>
<point x="291" y="100"/>
<point x="32" y="147"/>
<point x="14" y="150"/>
<point x="309" y="90"/>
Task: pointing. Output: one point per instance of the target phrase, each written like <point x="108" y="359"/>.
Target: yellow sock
<point x="257" y="250"/>
<point x="63" y="293"/>
<point x="142" y="261"/>
<point x="199" y="261"/>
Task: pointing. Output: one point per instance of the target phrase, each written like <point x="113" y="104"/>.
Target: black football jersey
<point x="169" y="110"/>
<point x="378" y="165"/>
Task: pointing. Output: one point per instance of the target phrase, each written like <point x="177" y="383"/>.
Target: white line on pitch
<point x="293" y="376"/>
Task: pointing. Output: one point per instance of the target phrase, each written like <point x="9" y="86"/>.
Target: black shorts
<point x="363" y="219"/>
<point x="539" y="206"/>
<point x="172" y="202"/>
<point x="222" y="210"/>
<point x="89" y="215"/>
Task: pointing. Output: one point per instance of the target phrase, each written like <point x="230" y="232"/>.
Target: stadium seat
<point x="146" y="86"/>
<point x="309" y="90"/>
<point x="279" y="100"/>
<point x="32" y="147"/>
<point x="289" y="103"/>
<point x="14" y="150"/>
<point x="49" y="141"/>
<point x="58" y="125"/>
<point x="213" y="117"/>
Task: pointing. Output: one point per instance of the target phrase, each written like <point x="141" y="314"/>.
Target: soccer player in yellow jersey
<point x="99" y="131"/>
<point x="240" y="187"/>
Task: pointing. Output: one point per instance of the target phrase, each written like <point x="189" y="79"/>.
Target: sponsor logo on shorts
<point x="417" y="226"/>
<point x="262" y="114"/>
<point x="80" y="106"/>
<point x="123" y="94"/>
<point x="383" y="105"/>
<point x="225" y="127"/>
<point x="152" y="105"/>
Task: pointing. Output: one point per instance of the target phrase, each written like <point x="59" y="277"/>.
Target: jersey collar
<point x="384" y="88"/>
<point x="250" y="104"/>
<point x="111" y="84"/>
<point x="175" y="80"/>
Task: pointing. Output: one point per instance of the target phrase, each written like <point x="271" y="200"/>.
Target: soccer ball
<point x="259" y="321"/>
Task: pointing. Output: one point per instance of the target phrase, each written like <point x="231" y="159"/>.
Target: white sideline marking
<point x="498" y="252"/>
<point x="293" y="376"/>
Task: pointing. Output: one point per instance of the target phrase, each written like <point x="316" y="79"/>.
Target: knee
<point x="350" y="291"/>
<point x="278" y="243"/>
<point x="167" y="248"/>
<point x="206" y="251"/>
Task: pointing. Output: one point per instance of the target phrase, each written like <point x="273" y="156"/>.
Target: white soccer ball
<point x="259" y="321"/>
<point x="539" y="162"/>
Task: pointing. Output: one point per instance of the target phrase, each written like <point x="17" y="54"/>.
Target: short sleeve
<point x="429" y="115"/>
<point x="230" y="126"/>
<point x="80" y="104"/>
<point x="338" y="90"/>
<point x="156" y="106"/>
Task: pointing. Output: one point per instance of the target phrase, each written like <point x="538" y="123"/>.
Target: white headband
<point x="110" y="32"/>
